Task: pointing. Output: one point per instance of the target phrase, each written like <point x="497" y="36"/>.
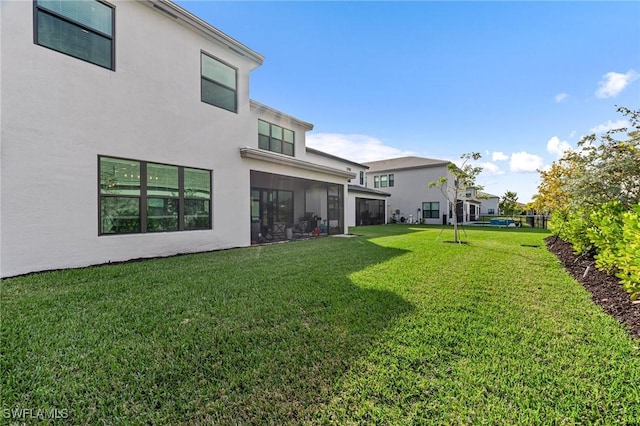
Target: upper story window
<point x="219" y="83"/>
<point x="361" y="177"/>
<point x="83" y="29"/>
<point x="275" y="138"/>
<point x="383" y="181"/>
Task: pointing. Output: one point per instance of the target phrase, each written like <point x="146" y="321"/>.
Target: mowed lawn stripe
<point x="394" y="326"/>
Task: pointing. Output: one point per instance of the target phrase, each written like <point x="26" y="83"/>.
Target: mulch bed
<point x="605" y="289"/>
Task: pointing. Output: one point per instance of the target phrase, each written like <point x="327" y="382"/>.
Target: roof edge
<point x="259" y="106"/>
<point x="334" y="157"/>
<point x="272" y="157"/>
<point x="179" y="13"/>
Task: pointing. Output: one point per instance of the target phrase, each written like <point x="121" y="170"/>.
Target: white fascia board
<point x="192" y="21"/>
<point x="264" y="109"/>
<point x="285" y="160"/>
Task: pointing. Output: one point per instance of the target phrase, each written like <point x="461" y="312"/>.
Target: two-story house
<point x="365" y="206"/>
<point x="128" y="132"/>
<point x="411" y="199"/>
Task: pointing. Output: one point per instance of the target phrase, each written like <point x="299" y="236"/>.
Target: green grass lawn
<point x="394" y="326"/>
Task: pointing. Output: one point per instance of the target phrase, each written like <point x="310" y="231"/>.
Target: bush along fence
<point x="610" y="232"/>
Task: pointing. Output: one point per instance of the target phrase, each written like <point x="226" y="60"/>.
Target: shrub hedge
<point x="612" y="234"/>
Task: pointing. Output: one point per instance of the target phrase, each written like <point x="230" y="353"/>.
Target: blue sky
<point x="516" y="81"/>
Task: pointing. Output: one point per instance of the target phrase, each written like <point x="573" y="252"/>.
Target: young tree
<point x="509" y="204"/>
<point x="456" y="184"/>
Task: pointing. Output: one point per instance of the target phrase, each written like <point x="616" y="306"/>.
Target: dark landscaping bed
<point x="605" y="289"/>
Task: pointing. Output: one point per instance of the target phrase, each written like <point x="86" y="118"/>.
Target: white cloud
<point x="491" y="169"/>
<point x="557" y="147"/>
<point x="609" y="125"/>
<point x="358" y="148"/>
<point x="499" y="156"/>
<point x="613" y="83"/>
<point x="524" y="162"/>
<point x="560" y="97"/>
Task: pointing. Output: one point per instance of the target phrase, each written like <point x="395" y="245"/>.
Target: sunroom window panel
<point x="162" y="214"/>
<point x="197" y="183"/>
<point x="119" y="177"/>
<point x="119" y="215"/>
<point x="92" y="14"/>
<point x="73" y="40"/>
<point x="197" y="214"/>
<point x="162" y="180"/>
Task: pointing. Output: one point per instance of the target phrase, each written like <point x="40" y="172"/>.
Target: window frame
<point x="391" y="180"/>
<point x="376" y="181"/>
<point x="282" y="140"/>
<point x="431" y="210"/>
<point x="144" y="196"/>
<point x="218" y="83"/>
<point x="70" y="21"/>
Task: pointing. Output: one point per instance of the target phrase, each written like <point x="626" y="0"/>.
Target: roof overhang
<point x="189" y="20"/>
<point x="264" y="109"/>
<point x="365" y="190"/>
<point x="333" y="157"/>
<point x="285" y="160"/>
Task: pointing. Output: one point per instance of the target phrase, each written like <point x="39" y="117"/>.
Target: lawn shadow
<point x="258" y="335"/>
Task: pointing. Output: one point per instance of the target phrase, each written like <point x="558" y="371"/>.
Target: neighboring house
<point x="127" y="132"/>
<point x="489" y="204"/>
<point x="365" y="206"/>
<point x="411" y="199"/>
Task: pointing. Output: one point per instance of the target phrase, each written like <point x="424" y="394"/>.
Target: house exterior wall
<point x="354" y="195"/>
<point x="489" y="204"/>
<point x="350" y="196"/>
<point x="411" y="189"/>
<point x="59" y="114"/>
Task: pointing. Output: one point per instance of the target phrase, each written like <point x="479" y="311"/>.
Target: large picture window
<point x="83" y="29"/>
<point x="431" y="210"/>
<point x="218" y="83"/>
<point x="138" y="196"/>
<point x="275" y="138"/>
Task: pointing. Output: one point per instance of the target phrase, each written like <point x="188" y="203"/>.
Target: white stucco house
<point x="127" y="132"/>
<point x="411" y="199"/>
<point x="490" y="204"/>
<point x="364" y="206"/>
